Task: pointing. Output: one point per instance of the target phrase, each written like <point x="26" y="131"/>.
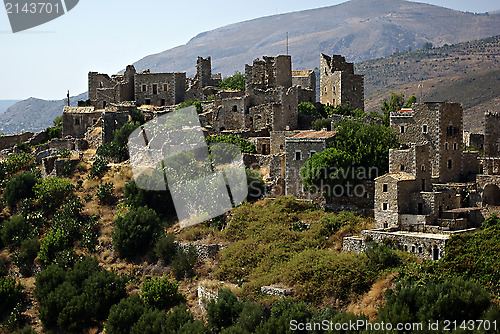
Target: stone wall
<point x="424" y="246"/>
<point x="9" y="141"/>
<point x="492" y="134"/>
<point x="203" y="252"/>
<point x="471" y="163"/>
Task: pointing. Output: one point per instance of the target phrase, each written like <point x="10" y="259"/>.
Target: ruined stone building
<point x="104" y="89"/>
<point x="76" y="120"/>
<point x="339" y="84"/>
<point x="298" y="149"/>
<point x="433" y="189"/>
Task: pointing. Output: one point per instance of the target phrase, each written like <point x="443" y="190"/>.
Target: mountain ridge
<point x="357" y="29"/>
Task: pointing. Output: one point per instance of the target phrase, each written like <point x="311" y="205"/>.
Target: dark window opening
<point x="77" y="121"/>
<point x="163" y="102"/>
<point x="104" y="104"/>
<point x="147" y="101"/>
<point x="144" y="88"/>
<point x="385" y="206"/>
<point x="234" y="109"/>
<point x="402" y="129"/>
<point x="423" y="184"/>
<point x="165" y="87"/>
<point x="101" y="84"/>
<point x="155" y="89"/>
<point x="420" y="249"/>
<point x="449" y="164"/>
<point x="402" y="167"/>
<point x="424" y="129"/>
<point x="420" y="208"/>
<point x="384" y="188"/>
<point x="298" y="155"/>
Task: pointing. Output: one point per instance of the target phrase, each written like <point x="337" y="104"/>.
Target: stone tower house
<point x="339" y="84"/>
<point x="441" y="126"/>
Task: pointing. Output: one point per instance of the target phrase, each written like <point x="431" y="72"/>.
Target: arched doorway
<point x="491" y="195"/>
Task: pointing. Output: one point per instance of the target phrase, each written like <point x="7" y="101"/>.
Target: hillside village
<point x="434" y="188"/>
<point x="442" y="181"/>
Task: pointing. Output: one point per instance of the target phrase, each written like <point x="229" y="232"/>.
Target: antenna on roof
<point x="68" y="98"/>
<point x="287" y="43"/>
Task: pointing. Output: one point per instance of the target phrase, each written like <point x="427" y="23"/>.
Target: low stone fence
<point x="203" y="252"/>
<point x="9" y="141"/>
<point x="276" y="291"/>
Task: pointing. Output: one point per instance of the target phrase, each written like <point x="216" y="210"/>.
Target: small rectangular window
<point x="144" y="88"/>
<point x="155" y="89"/>
<point x="385" y="206"/>
<point x="298" y="156"/>
<point x="424" y="128"/>
<point x="402" y="167"/>
<point x="449" y="164"/>
<point x="455" y="146"/>
<point x="446" y="146"/>
<point x="311" y="153"/>
<point x="384" y="188"/>
<point x="165" y="87"/>
<point x="402" y="129"/>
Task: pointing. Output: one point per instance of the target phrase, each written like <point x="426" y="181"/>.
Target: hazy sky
<point x="106" y="35"/>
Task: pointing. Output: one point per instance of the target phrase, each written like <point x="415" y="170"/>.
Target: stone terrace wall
<point x="11" y="140"/>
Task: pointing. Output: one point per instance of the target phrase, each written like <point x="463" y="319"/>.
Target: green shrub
<point x="16" y="163"/>
<point x="47" y="281"/>
<point x="382" y="257"/>
<point x="105" y="193"/>
<point x="165" y="248"/>
<point x="245" y="145"/>
<point x="134" y="233"/>
<point x="99" y="167"/>
<point x="53" y="245"/>
<point x="25" y="147"/>
<point x="256" y="185"/>
<point x="19" y="186"/>
<point x="454" y="299"/>
<point x="118" y="147"/>
<point x="4" y="267"/>
<point x="236" y="82"/>
<point x="184" y="262"/>
<point x="160" y="201"/>
<point x="282" y="312"/>
<point x="64" y="153"/>
<point x="320" y="124"/>
<point x="162" y="292"/>
<point x="224" y="311"/>
<point x="27" y="254"/>
<point x="308" y="109"/>
<point x="25" y="330"/>
<point x="14" y="231"/>
<point x="54" y="132"/>
<point x="151" y="322"/>
<point x="124" y="315"/>
<point x="11" y="293"/>
<point x="74" y="300"/>
<point x="53" y="192"/>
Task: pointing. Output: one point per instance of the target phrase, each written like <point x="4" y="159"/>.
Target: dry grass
<point x="369" y="303"/>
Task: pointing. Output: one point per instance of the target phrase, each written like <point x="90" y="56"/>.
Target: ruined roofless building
<point x="339" y="84"/>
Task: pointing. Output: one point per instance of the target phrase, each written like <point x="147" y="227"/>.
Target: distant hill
<point x="359" y="29"/>
<point x="468" y="73"/>
<point x="4" y="104"/>
<point x="33" y="114"/>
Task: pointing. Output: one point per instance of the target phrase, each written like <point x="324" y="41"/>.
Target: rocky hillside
<point x="5" y="104"/>
<point x="33" y="114"/>
<point x="358" y="29"/>
<point x="467" y="73"/>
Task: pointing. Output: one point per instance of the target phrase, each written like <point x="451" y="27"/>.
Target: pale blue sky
<point x="106" y="35"/>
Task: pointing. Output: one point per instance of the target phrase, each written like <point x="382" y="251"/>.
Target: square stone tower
<point x="339" y="84"/>
<point x="441" y="126"/>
